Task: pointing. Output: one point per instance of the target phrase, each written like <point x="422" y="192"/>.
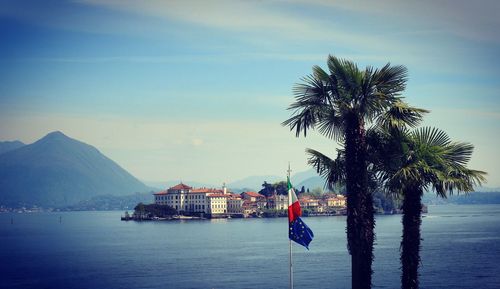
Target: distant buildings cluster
<point x="220" y="202"/>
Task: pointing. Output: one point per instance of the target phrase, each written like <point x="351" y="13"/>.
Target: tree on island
<point x="154" y="210"/>
<point x="280" y="188"/>
<point x="315" y="193"/>
<point x="414" y="162"/>
<point x="340" y="105"/>
<point x="267" y="189"/>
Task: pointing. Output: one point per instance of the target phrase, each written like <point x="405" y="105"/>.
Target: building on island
<point x="252" y="196"/>
<point x="277" y="202"/>
<point x="235" y="204"/>
<point x="249" y="207"/>
<point x="184" y="199"/>
<point x="187" y="200"/>
<point x="217" y="203"/>
<point x="222" y="203"/>
<point x="337" y="201"/>
<point x="255" y="198"/>
<point x="309" y="203"/>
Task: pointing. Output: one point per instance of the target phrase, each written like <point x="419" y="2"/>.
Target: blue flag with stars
<point x="300" y="233"/>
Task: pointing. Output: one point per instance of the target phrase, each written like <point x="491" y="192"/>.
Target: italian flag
<point x="298" y="231"/>
<point x="294" y="210"/>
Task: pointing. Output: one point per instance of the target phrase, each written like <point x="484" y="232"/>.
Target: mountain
<point x="111" y="202"/>
<point x="309" y="179"/>
<point x="486" y="189"/>
<point x="167" y="184"/>
<point x="59" y="171"/>
<point x="474" y="198"/>
<point x="6" y="146"/>
<point x="302" y="176"/>
<point x="311" y="183"/>
<point x="254" y="182"/>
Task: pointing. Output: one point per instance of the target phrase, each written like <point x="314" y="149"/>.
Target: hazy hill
<point x="300" y="177"/>
<point x="58" y="171"/>
<point x="254" y="182"/>
<point x="308" y="179"/>
<point x="6" y="146"/>
<point x="311" y="183"/>
<point x="473" y="198"/>
<point x="168" y="184"/>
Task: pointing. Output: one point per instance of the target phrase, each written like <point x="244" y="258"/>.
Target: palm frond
<point x="457" y="180"/>
<point x="400" y="115"/>
<point x="380" y="90"/>
<point x="346" y="74"/>
<point x="431" y="136"/>
<point x="320" y="74"/>
<point x="390" y="80"/>
<point x="311" y="99"/>
<point x="333" y="171"/>
<point x="432" y="161"/>
<point x="459" y="152"/>
<point x="332" y="124"/>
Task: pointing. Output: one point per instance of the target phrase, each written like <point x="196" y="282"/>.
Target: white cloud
<point x="477" y="20"/>
<point x="258" y="22"/>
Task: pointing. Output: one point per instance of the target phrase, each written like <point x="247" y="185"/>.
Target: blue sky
<point x="196" y="90"/>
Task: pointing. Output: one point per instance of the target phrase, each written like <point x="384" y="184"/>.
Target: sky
<point x="197" y="90"/>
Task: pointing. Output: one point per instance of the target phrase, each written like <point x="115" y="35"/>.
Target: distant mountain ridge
<point x="308" y="179"/>
<point x="312" y="183"/>
<point x="254" y="182"/>
<point x="473" y="198"/>
<point x="59" y="171"/>
<point x="158" y="186"/>
<point x="6" y="146"/>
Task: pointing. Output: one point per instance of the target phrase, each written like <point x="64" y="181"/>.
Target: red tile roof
<point x="181" y="186"/>
<point x="248" y="203"/>
<point x="207" y="191"/>
<point x="254" y="194"/>
<point x="161" y="193"/>
<point x="218" y="195"/>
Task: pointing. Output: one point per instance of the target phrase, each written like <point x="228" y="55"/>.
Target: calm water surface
<point x="461" y="249"/>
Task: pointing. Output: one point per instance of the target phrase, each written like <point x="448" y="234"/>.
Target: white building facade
<point x="185" y="199"/>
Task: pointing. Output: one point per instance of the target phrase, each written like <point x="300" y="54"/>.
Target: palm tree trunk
<point x="360" y="221"/>
<point x="410" y="244"/>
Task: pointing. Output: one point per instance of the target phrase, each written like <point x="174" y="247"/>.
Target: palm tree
<point x="340" y="105"/>
<point x="415" y="162"/>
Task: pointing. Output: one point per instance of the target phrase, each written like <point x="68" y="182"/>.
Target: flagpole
<point x="290" y="240"/>
<point x="291" y="266"/>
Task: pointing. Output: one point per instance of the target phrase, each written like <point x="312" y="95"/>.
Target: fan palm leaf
<point x="426" y="159"/>
<point x="332" y="170"/>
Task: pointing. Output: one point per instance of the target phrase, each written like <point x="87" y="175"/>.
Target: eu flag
<point x="300" y="232"/>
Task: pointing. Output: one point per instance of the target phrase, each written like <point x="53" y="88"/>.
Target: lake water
<point x="461" y="249"/>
